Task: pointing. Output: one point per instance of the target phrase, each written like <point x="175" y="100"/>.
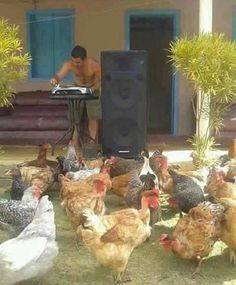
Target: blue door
<point x="153" y="31"/>
<point x="50" y="41"/>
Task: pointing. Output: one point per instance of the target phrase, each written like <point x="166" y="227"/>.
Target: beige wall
<point x="222" y="16"/>
<point x="99" y="25"/>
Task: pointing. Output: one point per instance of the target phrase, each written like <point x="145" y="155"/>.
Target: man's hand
<point x="54" y="81"/>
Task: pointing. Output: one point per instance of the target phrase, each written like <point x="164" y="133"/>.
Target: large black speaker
<point x="124" y="97"/>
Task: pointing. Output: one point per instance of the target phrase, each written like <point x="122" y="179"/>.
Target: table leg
<point x="71" y="119"/>
<point x="60" y="139"/>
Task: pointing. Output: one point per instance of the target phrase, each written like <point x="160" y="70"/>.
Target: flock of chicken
<point x="206" y="199"/>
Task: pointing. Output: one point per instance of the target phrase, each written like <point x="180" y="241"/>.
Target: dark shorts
<point x="94" y="109"/>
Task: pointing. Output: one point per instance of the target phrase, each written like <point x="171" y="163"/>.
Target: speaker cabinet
<point x="124" y="102"/>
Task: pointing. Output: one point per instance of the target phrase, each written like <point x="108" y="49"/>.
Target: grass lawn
<point x="148" y="264"/>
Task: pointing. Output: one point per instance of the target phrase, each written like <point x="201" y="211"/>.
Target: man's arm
<point x="64" y="70"/>
<point x="97" y="77"/>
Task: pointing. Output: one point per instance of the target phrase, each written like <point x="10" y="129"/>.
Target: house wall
<point x="100" y="25"/>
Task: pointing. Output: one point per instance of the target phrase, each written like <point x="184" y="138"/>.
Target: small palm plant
<point x="209" y="61"/>
<point x="13" y="62"/>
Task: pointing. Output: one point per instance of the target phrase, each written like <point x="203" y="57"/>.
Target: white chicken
<point x="82" y="174"/>
<point x="30" y="254"/>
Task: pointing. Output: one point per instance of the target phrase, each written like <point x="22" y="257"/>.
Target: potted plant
<point x="13" y="62"/>
<point x="209" y="62"/>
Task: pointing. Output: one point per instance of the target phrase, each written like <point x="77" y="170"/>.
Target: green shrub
<point x="209" y="62"/>
<point x="13" y="62"/>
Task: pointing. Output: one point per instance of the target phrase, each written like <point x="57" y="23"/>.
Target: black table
<point x="74" y="102"/>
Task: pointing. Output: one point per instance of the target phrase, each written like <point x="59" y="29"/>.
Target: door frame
<point x="175" y="14"/>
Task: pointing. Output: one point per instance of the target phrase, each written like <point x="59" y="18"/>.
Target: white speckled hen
<point x="16" y="215"/>
<point x="32" y="253"/>
<point x="71" y="162"/>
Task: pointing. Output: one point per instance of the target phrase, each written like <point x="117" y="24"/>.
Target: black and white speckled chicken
<point x="82" y="174"/>
<point x="16" y="215"/>
<point x="70" y="157"/>
<point x="59" y="169"/>
<point x="186" y="194"/>
<point x="18" y="185"/>
<point x="134" y="195"/>
<point x="32" y="253"/>
<point x="136" y="187"/>
<point x="71" y="161"/>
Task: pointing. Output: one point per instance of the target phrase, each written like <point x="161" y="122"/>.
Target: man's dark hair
<point x="79" y="52"/>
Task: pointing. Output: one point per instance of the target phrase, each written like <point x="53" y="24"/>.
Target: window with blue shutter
<point x="50" y="41"/>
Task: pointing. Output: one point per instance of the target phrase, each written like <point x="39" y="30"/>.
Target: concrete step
<point x="40" y="110"/>
<point x="36" y="98"/>
<point x="31" y="137"/>
<point x="39" y="123"/>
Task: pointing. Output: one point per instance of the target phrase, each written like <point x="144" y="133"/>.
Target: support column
<point x="205" y="26"/>
<point x="205" y="16"/>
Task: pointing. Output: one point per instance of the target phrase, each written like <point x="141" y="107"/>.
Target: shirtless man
<point x="86" y="71"/>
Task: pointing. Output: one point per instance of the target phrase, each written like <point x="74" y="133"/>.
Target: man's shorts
<point x="94" y="108"/>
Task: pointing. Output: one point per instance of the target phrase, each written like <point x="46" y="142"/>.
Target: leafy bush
<point x="209" y="62"/>
<point x="13" y="62"/>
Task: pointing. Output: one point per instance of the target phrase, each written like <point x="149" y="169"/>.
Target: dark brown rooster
<point x="41" y="160"/>
<point x="120" y="165"/>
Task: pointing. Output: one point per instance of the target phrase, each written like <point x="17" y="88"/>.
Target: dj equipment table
<point x="74" y="95"/>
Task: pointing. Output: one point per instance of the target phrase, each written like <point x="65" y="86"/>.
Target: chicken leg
<point x="232" y="256"/>
<point x="123" y="277"/>
<point x="197" y="270"/>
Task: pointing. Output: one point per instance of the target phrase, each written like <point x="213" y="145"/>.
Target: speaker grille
<point x="123" y="102"/>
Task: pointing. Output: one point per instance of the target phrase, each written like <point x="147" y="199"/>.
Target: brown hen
<point x="112" y="238"/>
<point x="41" y="160"/>
<point x="94" y="200"/>
<point x="218" y="188"/>
<point x="68" y="187"/>
<point x="195" y="233"/>
<point x="228" y="235"/>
